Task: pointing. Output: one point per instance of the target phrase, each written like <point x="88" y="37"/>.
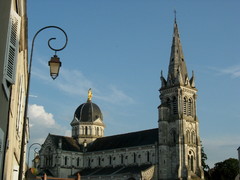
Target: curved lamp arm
<point x="30" y="148"/>
<point x="49" y="45"/>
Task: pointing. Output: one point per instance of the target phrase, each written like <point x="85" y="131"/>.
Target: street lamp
<point x="55" y="65"/>
<point x="34" y="150"/>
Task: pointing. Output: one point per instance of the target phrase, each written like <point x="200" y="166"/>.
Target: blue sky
<point x="118" y="48"/>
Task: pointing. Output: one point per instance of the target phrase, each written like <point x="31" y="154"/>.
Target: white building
<point x="171" y="151"/>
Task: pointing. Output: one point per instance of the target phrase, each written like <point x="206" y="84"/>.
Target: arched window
<point x="86" y="130"/>
<point x="193" y="137"/>
<point x="173" y="136"/>
<point x="99" y="161"/>
<point x="97" y="131"/>
<point x="121" y="159"/>
<point x="175" y="106"/>
<point x="78" y="161"/>
<point x="191" y="160"/>
<point x="168" y="102"/>
<point x="76" y="130"/>
<point x="134" y="157"/>
<point x="148" y="156"/>
<point x="185" y="105"/>
<point x="66" y="160"/>
<point x="110" y="160"/>
<point x="89" y="162"/>
<point x="188" y="137"/>
<point x="190" y="107"/>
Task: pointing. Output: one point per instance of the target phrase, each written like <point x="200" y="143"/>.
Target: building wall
<point x="66" y="163"/>
<point x="118" y="157"/>
<point x="16" y="96"/>
<point x="5" y="7"/>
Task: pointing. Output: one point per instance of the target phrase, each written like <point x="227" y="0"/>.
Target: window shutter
<point x="12" y="47"/>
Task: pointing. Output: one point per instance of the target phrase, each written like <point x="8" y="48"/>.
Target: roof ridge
<point x="129" y="133"/>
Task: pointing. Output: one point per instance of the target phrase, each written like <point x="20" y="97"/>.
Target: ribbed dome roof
<point x="88" y="112"/>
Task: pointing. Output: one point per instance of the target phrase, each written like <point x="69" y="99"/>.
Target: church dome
<point x="89" y="111"/>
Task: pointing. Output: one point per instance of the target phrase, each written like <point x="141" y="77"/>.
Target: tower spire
<point x="175" y="16"/>
<point x="177" y="60"/>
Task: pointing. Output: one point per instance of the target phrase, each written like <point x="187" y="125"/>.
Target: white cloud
<point x="75" y="83"/>
<point x="42" y="123"/>
<point x="116" y="96"/>
<point x="39" y="116"/>
<point x="233" y="71"/>
<point x="32" y="96"/>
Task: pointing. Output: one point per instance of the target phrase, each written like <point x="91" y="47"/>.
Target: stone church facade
<point x="171" y="151"/>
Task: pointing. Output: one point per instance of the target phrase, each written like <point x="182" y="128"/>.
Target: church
<point x="170" y="151"/>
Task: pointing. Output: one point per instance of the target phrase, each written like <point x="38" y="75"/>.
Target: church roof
<point x="87" y="112"/>
<point x="139" y="138"/>
<point x="108" y="171"/>
<point x="68" y="143"/>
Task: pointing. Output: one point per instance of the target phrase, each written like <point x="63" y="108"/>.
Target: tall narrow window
<point x="76" y="130"/>
<point x="97" y="131"/>
<point x="110" y="160"/>
<point x="173" y="136"/>
<point x="190" y="107"/>
<point x="193" y="137"/>
<point x="78" y="161"/>
<point x="148" y="156"/>
<point x="134" y="157"/>
<point x="185" y="105"/>
<point x="168" y="102"/>
<point x="191" y="160"/>
<point x="175" y="106"/>
<point x="66" y="160"/>
<point x="99" y="161"/>
<point x="121" y="159"/>
<point x="188" y="137"/>
<point x="89" y="162"/>
<point x="86" y="130"/>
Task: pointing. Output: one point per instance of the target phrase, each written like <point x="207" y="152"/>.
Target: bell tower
<point x="179" y="141"/>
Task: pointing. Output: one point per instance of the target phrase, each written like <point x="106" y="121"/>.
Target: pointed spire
<point x="192" y="80"/>
<point x="164" y="82"/>
<point x="176" y="58"/>
<point x="175" y="16"/>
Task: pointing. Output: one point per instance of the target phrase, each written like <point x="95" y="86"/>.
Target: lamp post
<point x="55" y="65"/>
<point x="34" y="149"/>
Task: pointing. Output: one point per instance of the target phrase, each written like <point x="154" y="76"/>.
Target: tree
<point x="226" y="170"/>
<point x="204" y="164"/>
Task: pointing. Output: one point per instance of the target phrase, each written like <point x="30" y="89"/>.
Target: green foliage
<point x="204" y="158"/>
<point x="204" y="164"/>
<point x="226" y="170"/>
